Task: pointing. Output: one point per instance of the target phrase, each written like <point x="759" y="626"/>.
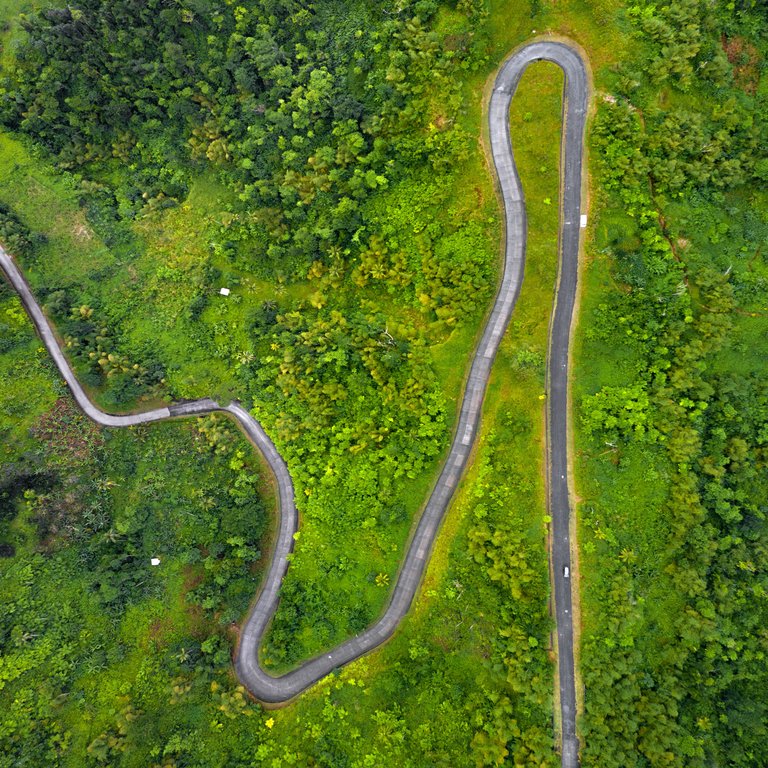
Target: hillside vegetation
<point x="672" y="401"/>
<point x="324" y="162"/>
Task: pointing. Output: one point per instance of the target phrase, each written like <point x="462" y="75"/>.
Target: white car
<point x="566" y="571"/>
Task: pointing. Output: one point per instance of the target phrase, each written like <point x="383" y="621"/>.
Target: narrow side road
<point x="280" y="689"/>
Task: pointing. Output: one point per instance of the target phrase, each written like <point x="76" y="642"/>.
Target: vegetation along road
<point x="280" y="689"/>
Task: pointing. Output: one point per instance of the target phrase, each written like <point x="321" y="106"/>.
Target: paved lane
<point x="574" y="112"/>
<point x="279" y="689"/>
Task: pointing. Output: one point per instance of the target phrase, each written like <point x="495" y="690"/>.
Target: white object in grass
<point x="155" y="561"/>
<point x="224" y="291"/>
<point x="583" y="220"/>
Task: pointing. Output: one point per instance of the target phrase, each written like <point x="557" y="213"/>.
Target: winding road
<point x="280" y="689"/>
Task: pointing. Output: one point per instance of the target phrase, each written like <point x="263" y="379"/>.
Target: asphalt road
<point x="574" y="114"/>
<point x="280" y="689"/>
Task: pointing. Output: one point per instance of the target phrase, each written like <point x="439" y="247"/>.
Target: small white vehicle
<point x="566" y="571"/>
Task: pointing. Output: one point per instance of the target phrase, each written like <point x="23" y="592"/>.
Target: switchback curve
<point x="280" y="689"/>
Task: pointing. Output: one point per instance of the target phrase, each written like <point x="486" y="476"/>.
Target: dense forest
<point x="324" y="162"/>
<point x="674" y="439"/>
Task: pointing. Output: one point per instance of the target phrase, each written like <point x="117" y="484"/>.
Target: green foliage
<point x="512" y="561"/>
<point x="271" y="142"/>
<point x="304" y="113"/>
<point x="332" y="370"/>
<point x="15" y="236"/>
<point x="670" y="598"/>
<point x="93" y="606"/>
<point x="618" y="411"/>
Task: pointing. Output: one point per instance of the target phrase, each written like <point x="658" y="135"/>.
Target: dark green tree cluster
<point x="15" y="235"/>
<point x="673" y="674"/>
<point x="97" y="351"/>
<point x="305" y="108"/>
<point x="685" y="43"/>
